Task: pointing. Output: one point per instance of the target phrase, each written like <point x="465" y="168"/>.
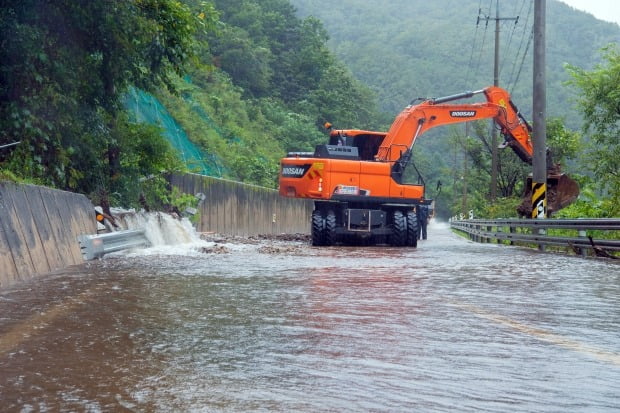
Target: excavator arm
<point x="414" y="120"/>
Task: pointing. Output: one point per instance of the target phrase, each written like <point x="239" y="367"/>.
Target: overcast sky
<point x="608" y="10"/>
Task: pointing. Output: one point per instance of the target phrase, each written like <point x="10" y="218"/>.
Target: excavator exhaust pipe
<point x="561" y="192"/>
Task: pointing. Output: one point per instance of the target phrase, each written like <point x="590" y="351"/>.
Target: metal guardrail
<point x="96" y="246"/>
<point x="537" y="232"/>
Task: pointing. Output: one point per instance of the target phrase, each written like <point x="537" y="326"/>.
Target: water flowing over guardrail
<point x="96" y="246"/>
<point x="581" y="235"/>
<point x="139" y="230"/>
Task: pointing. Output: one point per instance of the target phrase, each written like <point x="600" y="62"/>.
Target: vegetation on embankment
<point x="265" y="77"/>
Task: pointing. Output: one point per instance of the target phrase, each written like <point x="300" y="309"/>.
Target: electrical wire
<point x="524" y="55"/>
<point x="512" y="81"/>
<point x="510" y="37"/>
<point x="486" y="26"/>
<point x="473" y="47"/>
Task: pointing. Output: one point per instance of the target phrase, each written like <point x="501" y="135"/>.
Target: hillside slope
<point x="404" y="49"/>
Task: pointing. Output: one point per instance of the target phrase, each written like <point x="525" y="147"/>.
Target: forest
<point x="248" y="80"/>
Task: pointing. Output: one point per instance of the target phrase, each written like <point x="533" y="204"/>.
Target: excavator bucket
<point x="561" y="192"/>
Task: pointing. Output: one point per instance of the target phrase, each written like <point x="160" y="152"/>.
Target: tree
<point x="563" y="142"/>
<point x="248" y="65"/>
<point x="64" y="66"/>
<point x="599" y="102"/>
<point x="343" y="100"/>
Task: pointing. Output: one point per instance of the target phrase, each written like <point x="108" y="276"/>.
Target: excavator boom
<point x="415" y="120"/>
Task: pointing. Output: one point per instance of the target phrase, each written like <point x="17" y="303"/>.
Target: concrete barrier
<point x="234" y="208"/>
<point x="39" y="229"/>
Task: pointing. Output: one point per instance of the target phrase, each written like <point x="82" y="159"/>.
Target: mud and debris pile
<point x="215" y="249"/>
<point x="267" y="243"/>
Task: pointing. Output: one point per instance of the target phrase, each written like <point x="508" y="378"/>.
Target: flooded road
<point x="275" y="326"/>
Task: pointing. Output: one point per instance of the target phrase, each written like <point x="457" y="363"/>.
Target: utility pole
<point x="494" y="144"/>
<point x="465" y="172"/>
<point x="539" y="159"/>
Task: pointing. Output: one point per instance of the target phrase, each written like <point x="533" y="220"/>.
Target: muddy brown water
<point x="283" y="326"/>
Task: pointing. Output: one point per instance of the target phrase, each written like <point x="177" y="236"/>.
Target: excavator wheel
<point x="318" y="223"/>
<point x="561" y="192"/>
<point x="412" y="229"/>
<point x="398" y="238"/>
<point x="323" y="228"/>
<point x="329" y="231"/>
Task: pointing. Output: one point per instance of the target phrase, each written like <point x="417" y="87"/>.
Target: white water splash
<point x="162" y="229"/>
<point x="167" y="235"/>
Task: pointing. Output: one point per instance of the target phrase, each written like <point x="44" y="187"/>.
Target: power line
<point x="512" y="80"/>
<point x="524" y="55"/>
<point x="473" y="47"/>
<point x="507" y="48"/>
<point x="486" y="26"/>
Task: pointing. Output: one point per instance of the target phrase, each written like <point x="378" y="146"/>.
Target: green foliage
<point x="229" y="128"/>
<point x="8" y="175"/>
<point x="501" y="208"/>
<point x="564" y="143"/>
<point x="296" y="131"/>
<point x="157" y="195"/>
<point x="343" y="101"/>
<point x="145" y="152"/>
<point x="599" y="100"/>
<point x="270" y="53"/>
<point x="277" y="85"/>
<point x="248" y="65"/>
<point x="590" y="203"/>
<point x="64" y="66"/>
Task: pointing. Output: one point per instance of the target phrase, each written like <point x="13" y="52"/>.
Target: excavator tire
<point x="398" y="238"/>
<point x="561" y="192"/>
<point x="318" y="223"/>
<point x="329" y="230"/>
<point x="412" y="229"/>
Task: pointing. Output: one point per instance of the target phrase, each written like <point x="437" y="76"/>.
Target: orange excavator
<point x="361" y="181"/>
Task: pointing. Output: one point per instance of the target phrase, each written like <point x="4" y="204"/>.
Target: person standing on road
<point x="422" y="221"/>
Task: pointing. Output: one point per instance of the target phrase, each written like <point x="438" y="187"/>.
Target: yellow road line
<point x="556" y="339"/>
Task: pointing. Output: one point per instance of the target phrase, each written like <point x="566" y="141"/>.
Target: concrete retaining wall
<point x="38" y="230"/>
<point x="234" y="208"/>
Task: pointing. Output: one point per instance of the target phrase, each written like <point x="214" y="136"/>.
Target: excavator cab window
<point x="405" y="172"/>
<point x="368" y="146"/>
<point x="340" y="140"/>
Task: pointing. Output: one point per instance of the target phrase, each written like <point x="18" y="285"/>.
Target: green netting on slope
<point x="145" y="108"/>
<point x="207" y="119"/>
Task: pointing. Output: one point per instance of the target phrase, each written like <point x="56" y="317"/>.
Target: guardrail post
<point x="512" y="230"/>
<point x="583" y="251"/>
<point x="542" y="231"/>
